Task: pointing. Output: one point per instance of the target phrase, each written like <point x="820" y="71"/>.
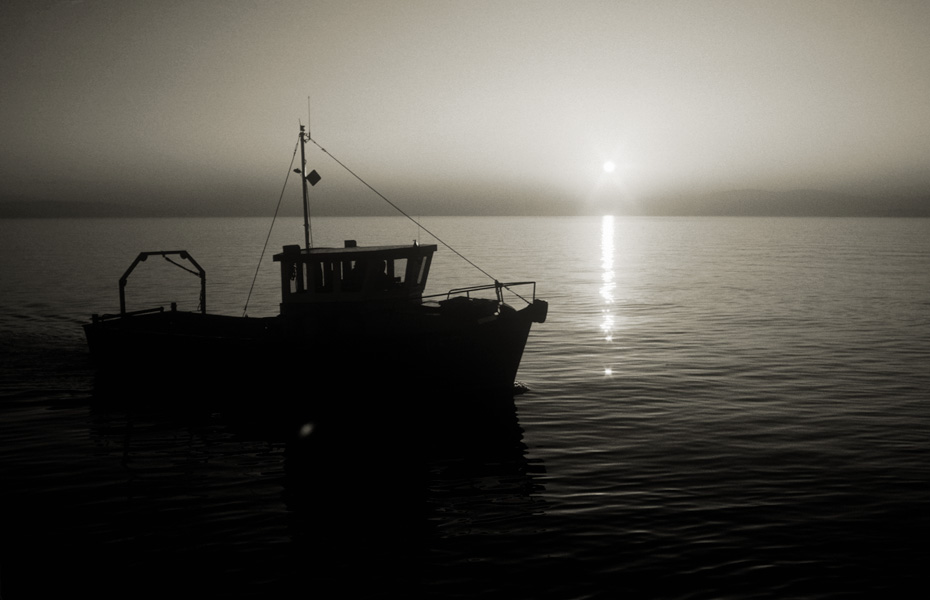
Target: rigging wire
<point x="268" y="237"/>
<point x="192" y="272"/>
<point x="377" y="193"/>
<point x="180" y="266"/>
<point x="398" y="209"/>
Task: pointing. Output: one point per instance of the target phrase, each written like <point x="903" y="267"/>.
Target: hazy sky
<point x="461" y="106"/>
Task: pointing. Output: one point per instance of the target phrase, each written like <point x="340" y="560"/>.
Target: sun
<point x="609" y="166"/>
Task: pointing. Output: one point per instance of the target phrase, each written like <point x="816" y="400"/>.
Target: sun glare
<point x="609" y="166"/>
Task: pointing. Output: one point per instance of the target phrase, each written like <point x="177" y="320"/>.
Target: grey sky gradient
<point x="462" y="107"/>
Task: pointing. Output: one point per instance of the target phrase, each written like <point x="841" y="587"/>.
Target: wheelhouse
<point x="352" y="274"/>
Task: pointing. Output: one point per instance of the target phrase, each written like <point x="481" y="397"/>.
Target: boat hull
<point x="406" y="351"/>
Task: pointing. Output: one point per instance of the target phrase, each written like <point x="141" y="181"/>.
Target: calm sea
<point x="718" y="408"/>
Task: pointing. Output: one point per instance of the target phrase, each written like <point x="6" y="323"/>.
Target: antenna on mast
<point x="312" y="178"/>
<point x="303" y="180"/>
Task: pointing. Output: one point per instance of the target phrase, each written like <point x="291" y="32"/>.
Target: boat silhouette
<point x="353" y="315"/>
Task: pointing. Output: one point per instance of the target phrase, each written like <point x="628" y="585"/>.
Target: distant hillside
<point x="41" y="209"/>
<point x="796" y="203"/>
<point x="736" y="203"/>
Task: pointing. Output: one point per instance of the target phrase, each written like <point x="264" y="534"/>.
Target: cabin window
<point x="382" y="275"/>
<point x="297" y="281"/>
<point x="353" y="275"/>
<point x="292" y="280"/>
<point x="399" y="273"/>
<point x="311" y="276"/>
<point x="421" y="271"/>
<point x="367" y="275"/>
<point x="305" y="277"/>
<point x="323" y="275"/>
<point x="344" y="269"/>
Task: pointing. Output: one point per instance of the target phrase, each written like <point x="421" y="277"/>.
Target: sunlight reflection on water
<point x="607" y="279"/>
<point x="736" y="403"/>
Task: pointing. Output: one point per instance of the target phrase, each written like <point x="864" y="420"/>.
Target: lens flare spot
<point x="306" y="430"/>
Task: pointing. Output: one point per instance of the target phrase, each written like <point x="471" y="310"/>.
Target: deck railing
<point x="497" y="286"/>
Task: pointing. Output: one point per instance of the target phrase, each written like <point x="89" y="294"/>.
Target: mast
<point x="303" y="178"/>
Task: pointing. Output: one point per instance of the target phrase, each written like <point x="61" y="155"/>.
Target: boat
<point x="349" y="316"/>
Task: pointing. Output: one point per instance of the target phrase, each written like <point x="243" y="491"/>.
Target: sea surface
<point x="717" y="408"/>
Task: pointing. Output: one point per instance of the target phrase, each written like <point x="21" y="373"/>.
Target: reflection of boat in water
<point x="348" y="316"/>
